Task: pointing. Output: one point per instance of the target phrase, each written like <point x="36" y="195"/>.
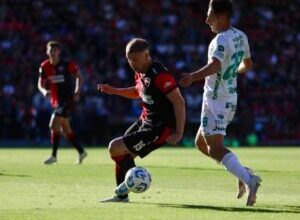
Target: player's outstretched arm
<point x="130" y="93"/>
<point x="245" y="65"/>
<point x="211" y="68"/>
<point x="41" y="87"/>
<point x="178" y="102"/>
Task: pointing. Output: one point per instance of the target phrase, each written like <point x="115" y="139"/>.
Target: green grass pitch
<point x="186" y="185"/>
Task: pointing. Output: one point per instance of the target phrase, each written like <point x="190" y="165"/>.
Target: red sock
<point x="123" y="164"/>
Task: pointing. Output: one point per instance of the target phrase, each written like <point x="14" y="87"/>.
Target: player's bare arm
<point x="211" y="68"/>
<point x="178" y="102"/>
<point x="41" y="87"/>
<point x="130" y="92"/>
<point x="245" y="65"/>
<point x="78" y="85"/>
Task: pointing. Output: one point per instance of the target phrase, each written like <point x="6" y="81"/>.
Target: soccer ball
<point x="138" y="179"/>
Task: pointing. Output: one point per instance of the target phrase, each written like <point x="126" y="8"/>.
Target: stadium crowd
<point x="95" y="32"/>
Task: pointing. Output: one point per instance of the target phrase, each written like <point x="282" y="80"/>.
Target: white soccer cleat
<point x="122" y="190"/>
<point x="81" y="157"/>
<point x="252" y="189"/>
<point x="242" y="186"/>
<point x="115" y="199"/>
<point x="50" y="160"/>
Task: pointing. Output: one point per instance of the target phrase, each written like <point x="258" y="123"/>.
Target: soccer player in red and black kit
<point x="56" y="80"/>
<point x="162" y="119"/>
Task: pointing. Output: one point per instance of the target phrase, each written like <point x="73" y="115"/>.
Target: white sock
<point x="232" y="164"/>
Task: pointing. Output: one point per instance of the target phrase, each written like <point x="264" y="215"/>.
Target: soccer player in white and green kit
<point x="228" y="55"/>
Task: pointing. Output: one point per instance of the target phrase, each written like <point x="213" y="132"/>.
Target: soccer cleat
<point x="122" y="190"/>
<point x="115" y="199"/>
<point x="81" y="157"/>
<point x="241" y="185"/>
<point x="253" y="186"/>
<point x="50" y="160"/>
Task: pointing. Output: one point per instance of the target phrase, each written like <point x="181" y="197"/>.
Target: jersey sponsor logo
<point x="139" y="146"/>
<point x="56" y="79"/>
<point x="147" y="81"/>
<point x="147" y="99"/>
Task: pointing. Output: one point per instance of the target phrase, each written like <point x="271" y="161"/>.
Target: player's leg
<point x="213" y="128"/>
<point x="119" y="145"/>
<point x="124" y="149"/>
<point x="72" y="139"/>
<point x="124" y="160"/>
<point x="54" y="126"/>
<point x="201" y="144"/>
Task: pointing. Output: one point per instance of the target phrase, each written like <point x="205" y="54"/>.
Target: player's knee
<point x="113" y="148"/>
<point x="200" y="145"/>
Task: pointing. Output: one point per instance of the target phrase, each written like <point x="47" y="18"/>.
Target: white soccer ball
<point x="138" y="179"/>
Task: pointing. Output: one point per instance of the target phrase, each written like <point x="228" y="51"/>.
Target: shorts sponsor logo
<point x="204" y="121"/>
<point x="231" y="106"/>
<point x="221" y="48"/>
<point x="219" y="121"/>
<point x="219" y="129"/>
<point x="220" y="116"/>
<point x="139" y="146"/>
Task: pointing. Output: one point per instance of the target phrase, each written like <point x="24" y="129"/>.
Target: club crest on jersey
<point x="147" y="81"/>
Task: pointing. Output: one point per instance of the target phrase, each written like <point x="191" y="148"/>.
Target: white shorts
<point x="216" y="115"/>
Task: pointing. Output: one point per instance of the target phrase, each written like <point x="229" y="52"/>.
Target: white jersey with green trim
<point x="230" y="47"/>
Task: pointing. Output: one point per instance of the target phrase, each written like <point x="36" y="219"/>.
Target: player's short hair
<point x="136" y="45"/>
<point x="221" y="7"/>
<point x="53" y="43"/>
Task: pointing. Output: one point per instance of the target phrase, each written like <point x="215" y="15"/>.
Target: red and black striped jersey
<point x="153" y="87"/>
<point x="59" y="80"/>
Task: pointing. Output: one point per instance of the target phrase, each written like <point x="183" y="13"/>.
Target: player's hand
<point x="186" y="80"/>
<point x="47" y="93"/>
<point x="174" y="138"/>
<point x="105" y="88"/>
<point x="76" y="97"/>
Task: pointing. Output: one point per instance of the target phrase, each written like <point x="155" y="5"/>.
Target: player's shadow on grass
<point x="207" y="169"/>
<point x="13" y="175"/>
<point x="275" y="209"/>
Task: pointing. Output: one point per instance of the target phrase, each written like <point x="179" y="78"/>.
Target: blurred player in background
<point x="228" y="54"/>
<point x="56" y="81"/>
<point x="162" y="119"/>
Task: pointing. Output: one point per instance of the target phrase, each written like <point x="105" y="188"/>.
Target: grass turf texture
<point x="186" y="185"/>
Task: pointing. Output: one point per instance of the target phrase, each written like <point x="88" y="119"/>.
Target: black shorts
<point x="63" y="110"/>
<point x="141" y="139"/>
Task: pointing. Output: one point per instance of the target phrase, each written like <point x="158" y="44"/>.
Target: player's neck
<point x="224" y="27"/>
<point x="146" y="67"/>
<point x="53" y="61"/>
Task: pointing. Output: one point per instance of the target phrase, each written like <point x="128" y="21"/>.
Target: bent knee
<point x="217" y="151"/>
<point x="115" y="147"/>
